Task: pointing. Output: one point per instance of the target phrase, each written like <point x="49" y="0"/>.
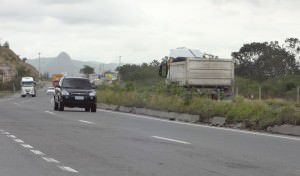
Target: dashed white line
<point x="88" y="122"/>
<point x="206" y="126"/>
<point x="12" y="136"/>
<point x="172" y="140"/>
<point x="50" y="160"/>
<point x="37" y="152"/>
<point x="49" y="112"/>
<point x="27" y="146"/>
<point x="19" y="140"/>
<point x="68" y="169"/>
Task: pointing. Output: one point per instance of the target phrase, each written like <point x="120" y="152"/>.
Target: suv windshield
<point x="76" y="83"/>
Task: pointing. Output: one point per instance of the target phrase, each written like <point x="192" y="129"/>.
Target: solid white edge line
<point x="68" y="169"/>
<point x="19" y="140"/>
<point x="27" y="146"/>
<point x="7" y="133"/>
<point x="84" y="121"/>
<point x="172" y="140"/>
<point x="50" y="160"/>
<point x="37" y="152"/>
<point x="206" y="126"/>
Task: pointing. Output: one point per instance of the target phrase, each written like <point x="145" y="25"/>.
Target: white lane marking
<point x="50" y="160"/>
<point x="88" y="122"/>
<point x="27" y="146"/>
<point x="206" y="126"/>
<point x="68" y="169"/>
<point x="7" y="133"/>
<point x="19" y="141"/>
<point x="49" y="112"/>
<point x="17" y="104"/>
<point x="172" y="140"/>
<point x="37" y="152"/>
<point x="12" y="136"/>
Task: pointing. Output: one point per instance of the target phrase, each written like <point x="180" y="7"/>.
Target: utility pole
<point x="119" y="77"/>
<point x="39" y="65"/>
<point x="120" y="58"/>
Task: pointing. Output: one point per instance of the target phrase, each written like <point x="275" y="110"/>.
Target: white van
<point x="28" y="86"/>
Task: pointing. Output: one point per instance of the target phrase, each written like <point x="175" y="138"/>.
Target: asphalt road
<point x="37" y="141"/>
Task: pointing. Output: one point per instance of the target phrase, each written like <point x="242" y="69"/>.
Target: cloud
<point x="104" y="12"/>
<point x="142" y="30"/>
<point x="64" y="1"/>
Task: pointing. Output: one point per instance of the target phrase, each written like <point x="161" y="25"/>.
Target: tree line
<point x="267" y="60"/>
<point x="258" y="61"/>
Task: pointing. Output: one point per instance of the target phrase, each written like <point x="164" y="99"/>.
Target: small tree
<point x="87" y="70"/>
<point x="6" y="45"/>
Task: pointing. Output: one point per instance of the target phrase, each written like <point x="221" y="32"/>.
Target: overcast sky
<point x="142" y="30"/>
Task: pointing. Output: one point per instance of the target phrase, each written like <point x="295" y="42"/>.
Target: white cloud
<point x="142" y="30"/>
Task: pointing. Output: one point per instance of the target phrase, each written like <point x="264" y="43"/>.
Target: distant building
<point x="6" y="73"/>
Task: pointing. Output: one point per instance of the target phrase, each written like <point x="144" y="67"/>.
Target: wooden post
<point x="298" y="88"/>
<point x="219" y="95"/>
<point x="259" y="93"/>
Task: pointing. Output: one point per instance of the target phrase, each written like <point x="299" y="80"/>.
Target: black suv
<point x="75" y="92"/>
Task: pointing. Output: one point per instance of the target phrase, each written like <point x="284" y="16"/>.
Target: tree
<point x="87" y="70"/>
<point x="24" y="59"/>
<point x="262" y="61"/>
<point x="293" y="46"/>
<point x="144" y="73"/>
<point x="6" y="45"/>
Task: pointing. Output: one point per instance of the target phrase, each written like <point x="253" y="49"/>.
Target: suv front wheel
<point x="94" y="108"/>
<point x="55" y="106"/>
<point x="61" y="106"/>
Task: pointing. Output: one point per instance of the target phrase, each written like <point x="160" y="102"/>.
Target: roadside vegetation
<point x="254" y="114"/>
<point x="269" y="67"/>
<point x="5" y="93"/>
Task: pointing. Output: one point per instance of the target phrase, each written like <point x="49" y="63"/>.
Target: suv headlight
<point x="64" y="92"/>
<point x="92" y="94"/>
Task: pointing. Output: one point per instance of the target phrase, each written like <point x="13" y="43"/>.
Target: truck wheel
<point x="34" y="95"/>
<point x="61" y="106"/>
<point x="94" y="108"/>
<point x="87" y="109"/>
<point x="23" y="96"/>
<point x="55" y="106"/>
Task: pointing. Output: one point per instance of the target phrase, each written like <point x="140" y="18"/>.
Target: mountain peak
<point x="63" y="56"/>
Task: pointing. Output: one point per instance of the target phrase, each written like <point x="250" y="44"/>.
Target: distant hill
<point x="17" y="65"/>
<point x="64" y="63"/>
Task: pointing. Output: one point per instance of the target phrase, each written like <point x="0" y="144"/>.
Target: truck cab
<point x="28" y="87"/>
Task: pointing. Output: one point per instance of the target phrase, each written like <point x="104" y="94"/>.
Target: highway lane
<point x="109" y="143"/>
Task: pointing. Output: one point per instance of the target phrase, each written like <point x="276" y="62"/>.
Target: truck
<point x="56" y="78"/>
<point x="28" y="87"/>
<point x="207" y="73"/>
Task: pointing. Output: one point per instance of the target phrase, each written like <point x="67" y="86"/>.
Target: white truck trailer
<point x="191" y="68"/>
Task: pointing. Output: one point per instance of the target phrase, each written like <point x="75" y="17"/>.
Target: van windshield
<point x="76" y="83"/>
